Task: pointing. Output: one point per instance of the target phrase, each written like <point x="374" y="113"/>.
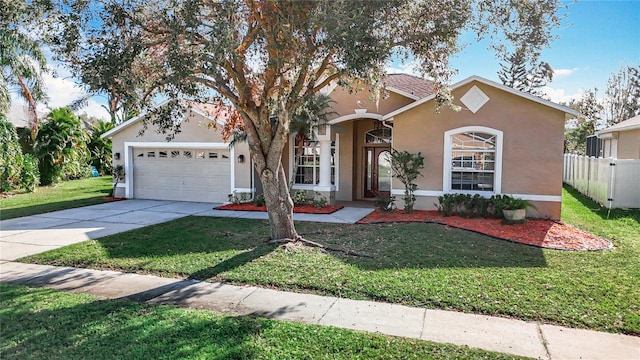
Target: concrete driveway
<point x="34" y="234"/>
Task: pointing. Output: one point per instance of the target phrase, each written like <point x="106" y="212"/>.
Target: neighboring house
<point x="19" y="116"/>
<point x="622" y="140"/>
<point x="502" y="141"/>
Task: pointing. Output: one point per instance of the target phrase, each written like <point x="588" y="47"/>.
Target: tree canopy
<point x="622" y="95"/>
<point x="516" y="73"/>
<point x="24" y="25"/>
<point x="267" y="58"/>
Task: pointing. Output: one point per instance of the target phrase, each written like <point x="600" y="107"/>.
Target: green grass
<point x="425" y="265"/>
<point x="67" y="195"/>
<point x="47" y="324"/>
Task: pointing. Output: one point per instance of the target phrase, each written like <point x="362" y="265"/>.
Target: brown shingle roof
<point x="410" y="84"/>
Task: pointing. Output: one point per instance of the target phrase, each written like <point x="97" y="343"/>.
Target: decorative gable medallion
<point x="474" y="99"/>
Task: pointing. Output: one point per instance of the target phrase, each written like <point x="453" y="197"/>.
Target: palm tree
<point x="21" y="59"/>
<point x="60" y="147"/>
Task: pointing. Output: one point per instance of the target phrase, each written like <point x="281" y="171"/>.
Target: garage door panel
<point x="181" y="178"/>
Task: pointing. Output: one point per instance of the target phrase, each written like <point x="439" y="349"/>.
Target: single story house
<point x="622" y="140"/>
<point x="501" y="141"/>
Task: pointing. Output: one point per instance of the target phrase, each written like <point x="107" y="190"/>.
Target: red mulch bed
<point x="542" y="233"/>
<point x="303" y="209"/>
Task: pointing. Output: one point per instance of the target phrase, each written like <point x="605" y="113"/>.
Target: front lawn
<point x="416" y="264"/>
<point x="46" y="324"/>
<point x="67" y="195"/>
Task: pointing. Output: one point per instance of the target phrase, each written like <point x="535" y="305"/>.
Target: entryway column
<point x="325" y="163"/>
<point x="324" y="184"/>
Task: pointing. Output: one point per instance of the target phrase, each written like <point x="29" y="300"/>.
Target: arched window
<point x="473" y="160"/>
<point x="378" y="136"/>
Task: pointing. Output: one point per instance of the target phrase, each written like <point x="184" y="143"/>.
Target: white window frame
<point x="336" y="163"/>
<point x="447" y="167"/>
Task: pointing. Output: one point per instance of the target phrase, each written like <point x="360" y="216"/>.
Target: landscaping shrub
<point x="385" y="202"/>
<point x="300" y="197"/>
<point x="319" y="201"/>
<point x="10" y="157"/>
<point x="259" y="200"/>
<point x="406" y="168"/>
<point x="467" y="205"/>
<point x="17" y="171"/>
<point x="29" y="175"/>
<point x="60" y="146"/>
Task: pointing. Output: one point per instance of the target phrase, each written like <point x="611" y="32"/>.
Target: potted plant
<point x="515" y="209"/>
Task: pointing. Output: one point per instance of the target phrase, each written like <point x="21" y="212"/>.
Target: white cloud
<point x="93" y="109"/>
<point x="62" y="91"/>
<point x="564" y="72"/>
<point x="559" y="95"/>
<point x="409" y="68"/>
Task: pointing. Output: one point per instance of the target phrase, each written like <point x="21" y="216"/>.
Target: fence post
<point x="611" y="183"/>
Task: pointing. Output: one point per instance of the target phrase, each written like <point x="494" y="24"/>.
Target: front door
<point x="377" y="172"/>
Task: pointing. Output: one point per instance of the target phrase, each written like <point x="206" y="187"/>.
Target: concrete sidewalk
<point x="477" y="331"/>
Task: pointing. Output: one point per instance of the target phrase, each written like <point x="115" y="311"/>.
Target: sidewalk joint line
<point x="329" y="309"/>
<point x="544" y="340"/>
<point x="255" y="288"/>
<point x="424" y="323"/>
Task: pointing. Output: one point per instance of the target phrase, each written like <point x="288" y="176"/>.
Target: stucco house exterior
<point x="622" y="140"/>
<point x="501" y="141"/>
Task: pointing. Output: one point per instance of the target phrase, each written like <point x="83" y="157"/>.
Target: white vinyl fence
<point x="613" y="183"/>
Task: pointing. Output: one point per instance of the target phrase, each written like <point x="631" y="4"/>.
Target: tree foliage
<point x="516" y="72"/>
<point x="406" y="168"/>
<point x="17" y="170"/>
<point x="60" y="147"/>
<point x="10" y="157"/>
<point x="24" y="26"/>
<point x="99" y="148"/>
<point x="622" y="96"/>
<point x="267" y="58"/>
<point x="585" y="124"/>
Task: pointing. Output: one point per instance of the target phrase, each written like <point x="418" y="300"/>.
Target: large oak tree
<point x="267" y="58"/>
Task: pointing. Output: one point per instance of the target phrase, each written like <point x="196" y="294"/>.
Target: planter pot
<point x="514" y="215"/>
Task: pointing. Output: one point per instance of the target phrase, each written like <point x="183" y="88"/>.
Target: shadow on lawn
<point x="236" y="261"/>
<point x="227" y="244"/>
<point x="119" y="329"/>
<point x="602" y="211"/>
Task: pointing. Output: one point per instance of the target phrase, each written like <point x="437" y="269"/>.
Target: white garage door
<point x="181" y="174"/>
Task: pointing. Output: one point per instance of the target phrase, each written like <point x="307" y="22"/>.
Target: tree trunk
<point x="279" y="203"/>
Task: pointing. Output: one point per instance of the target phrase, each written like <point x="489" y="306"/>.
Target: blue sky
<point x="595" y="40"/>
